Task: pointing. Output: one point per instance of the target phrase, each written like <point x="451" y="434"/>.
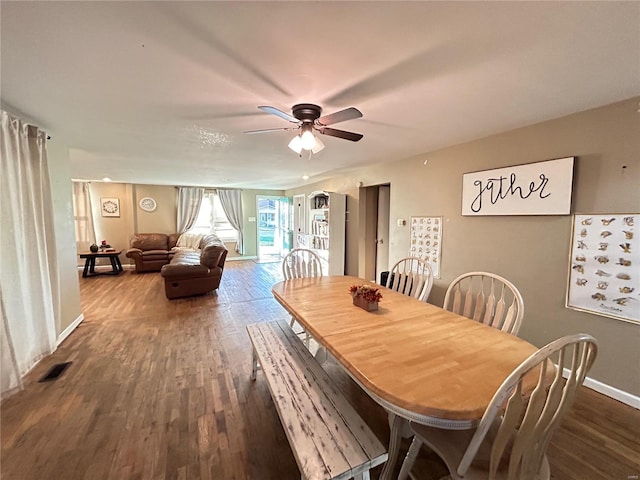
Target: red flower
<point x="367" y="292"/>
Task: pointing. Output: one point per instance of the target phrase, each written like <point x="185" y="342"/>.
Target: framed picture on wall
<point x="603" y="266"/>
<point x="110" y="207"/>
<point x="426" y="241"/>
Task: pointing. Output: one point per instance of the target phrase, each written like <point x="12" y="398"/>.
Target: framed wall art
<point x="426" y="241"/>
<point x="541" y="188"/>
<point x="110" y="207"/>
<point x="604" y="273"/>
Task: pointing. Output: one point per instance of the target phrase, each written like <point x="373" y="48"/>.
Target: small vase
<point x="93" y="248"/>
<point x="362" y="303"/>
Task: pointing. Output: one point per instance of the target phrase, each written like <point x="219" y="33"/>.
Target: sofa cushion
<point x="151" y="253"/>
<point x="150" y="241"/>
<point x="174" y="271"/>
<point x="186" y="257"/>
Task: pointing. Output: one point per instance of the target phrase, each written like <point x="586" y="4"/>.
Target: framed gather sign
<point x="541" y="188"/>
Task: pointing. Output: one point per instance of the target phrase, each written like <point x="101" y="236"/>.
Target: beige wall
<point x="115" y="230"/>
<point x="163" y="219"/>
<point x="69" y="294"/>
<point x="532" y="251"/>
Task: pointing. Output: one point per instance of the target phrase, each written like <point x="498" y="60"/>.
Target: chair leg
<point x="363" y="476"/>
<point x="410" y="459"/>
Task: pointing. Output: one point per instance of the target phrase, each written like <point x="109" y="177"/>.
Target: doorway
<point x="374" y="206"/>
<point x="274" y="227"/>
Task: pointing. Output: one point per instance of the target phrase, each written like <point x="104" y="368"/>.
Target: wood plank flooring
<point x="161" y="389"/>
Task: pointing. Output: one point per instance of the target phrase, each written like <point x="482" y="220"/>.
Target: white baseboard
<point x="248" y="257"/>
<point x="67" y="331"/>
<point x="613" y="392"/>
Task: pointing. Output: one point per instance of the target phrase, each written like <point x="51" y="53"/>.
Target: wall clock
<point x="147" y="204"/>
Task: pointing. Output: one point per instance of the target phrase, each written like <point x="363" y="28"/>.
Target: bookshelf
<point x="326" y="232"/>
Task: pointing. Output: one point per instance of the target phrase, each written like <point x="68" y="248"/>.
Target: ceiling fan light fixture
<point x="296" y="144"/>
<point x="308" y="139"/>
<point x="318" y="146"/>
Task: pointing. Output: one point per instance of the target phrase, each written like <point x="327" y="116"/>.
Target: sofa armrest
<point x="133" y="253"/>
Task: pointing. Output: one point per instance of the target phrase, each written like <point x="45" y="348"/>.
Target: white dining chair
<point x="511" y="440"/>
<point x="487" y="298"/>
<point x="301" y="263"/>
<point x="411" y="276"/>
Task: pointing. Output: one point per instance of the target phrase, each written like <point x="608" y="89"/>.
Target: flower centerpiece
<point x="365" y="296"/>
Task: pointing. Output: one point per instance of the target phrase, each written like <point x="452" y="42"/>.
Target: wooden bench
<point x="328" y="438"/>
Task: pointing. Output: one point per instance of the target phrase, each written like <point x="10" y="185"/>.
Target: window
<point x="212" y="219"/>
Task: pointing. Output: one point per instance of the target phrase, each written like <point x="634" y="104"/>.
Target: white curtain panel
<point x="29" y="276"/>
<point x="231" y="201"/>
<point x="83" y="216"/>
<point x="189" y="201"/>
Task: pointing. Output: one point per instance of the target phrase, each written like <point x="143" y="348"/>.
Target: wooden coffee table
<point x="90" y="263"/>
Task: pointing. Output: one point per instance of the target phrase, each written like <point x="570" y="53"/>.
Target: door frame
<point x="281" y="252"/>
<point x="368" y="226"/>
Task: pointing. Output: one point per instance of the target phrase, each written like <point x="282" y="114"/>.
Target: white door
<point x="382" y="234"/>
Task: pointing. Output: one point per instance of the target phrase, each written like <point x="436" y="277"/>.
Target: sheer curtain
<point x="189" y="200"/>
<point x="231" y="201"/>
<point x="28" y="277"/>
<point x="83" y="218"/>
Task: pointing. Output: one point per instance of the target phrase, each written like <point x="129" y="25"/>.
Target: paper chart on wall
<point x="604" y="267"/>
<point x="426" y="241"/>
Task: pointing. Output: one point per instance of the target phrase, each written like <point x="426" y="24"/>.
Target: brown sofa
<point x="150" y="251"/>
<point x="193" y="272"/>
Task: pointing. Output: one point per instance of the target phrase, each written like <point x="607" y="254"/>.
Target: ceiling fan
<point x="307" y="118"/>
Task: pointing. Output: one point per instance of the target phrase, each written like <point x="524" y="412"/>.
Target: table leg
<point x="118" y="263"/>
<point x="92" y="265"/>
<point x="114" y="265"/>
<point x="87" y="261"/>
<point x="397" y="426"/>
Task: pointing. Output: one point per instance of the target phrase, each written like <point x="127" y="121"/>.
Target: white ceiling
<point x="161" y="92"/>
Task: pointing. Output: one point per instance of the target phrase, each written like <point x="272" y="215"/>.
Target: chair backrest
<point x="411" y="276"/>
<point x="487" y="298"/>
<point x="300" y="263"/>
<point x="522" y="425"/>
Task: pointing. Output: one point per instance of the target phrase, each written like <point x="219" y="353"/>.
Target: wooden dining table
<point x="420" y="362"/>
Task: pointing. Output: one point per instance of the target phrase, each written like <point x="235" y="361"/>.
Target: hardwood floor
<point x="160" y="389"/>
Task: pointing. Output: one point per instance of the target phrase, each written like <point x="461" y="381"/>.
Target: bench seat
<point x="328" y="438"/>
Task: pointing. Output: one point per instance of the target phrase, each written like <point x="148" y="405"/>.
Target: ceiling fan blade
<point x="332" y="132"/>
<point x="271" y="130"/>
<point x="341" y="116"/>
<point x="279" y="113"/>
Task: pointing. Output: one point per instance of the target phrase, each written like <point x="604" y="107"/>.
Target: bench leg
<point x="363" y="476"/>
<point x="321" y="355"/>
<point x="254" y="364"/>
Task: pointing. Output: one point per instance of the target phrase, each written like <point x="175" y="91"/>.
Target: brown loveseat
<point x="192" y="272"/>
<point x="150" y="251"/>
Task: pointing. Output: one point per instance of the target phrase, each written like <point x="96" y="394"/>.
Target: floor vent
<point x="55" y="372"/>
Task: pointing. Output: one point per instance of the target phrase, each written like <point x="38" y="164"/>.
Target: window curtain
<point x="83" y="217"/>
<point x="231" y="201"/>
<point x="29" y="291"/>
<point x="189" y="200"/>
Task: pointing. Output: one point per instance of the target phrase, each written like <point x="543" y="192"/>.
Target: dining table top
<point x="410" y="354"/>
